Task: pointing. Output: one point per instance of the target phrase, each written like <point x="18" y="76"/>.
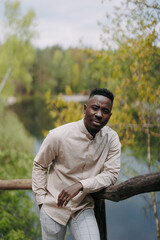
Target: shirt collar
<point x="85" y="131"/>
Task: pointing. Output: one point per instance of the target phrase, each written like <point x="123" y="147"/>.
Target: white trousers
<point x="83" y="228"/>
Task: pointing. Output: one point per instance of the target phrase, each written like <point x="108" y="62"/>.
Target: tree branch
<point x="5" y="79"/>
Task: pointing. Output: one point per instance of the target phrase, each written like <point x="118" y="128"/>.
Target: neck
<point x="91" y="131"/>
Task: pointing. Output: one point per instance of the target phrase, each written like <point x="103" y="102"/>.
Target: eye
<point x="94" y="108"/>
<point x="106" y="111"/>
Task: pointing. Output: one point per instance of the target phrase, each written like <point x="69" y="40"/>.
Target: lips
<point x="96" y="122"/>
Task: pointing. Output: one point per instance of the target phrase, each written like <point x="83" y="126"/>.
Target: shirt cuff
<point x="86" y="185"/>
<point x="40" y="199"/>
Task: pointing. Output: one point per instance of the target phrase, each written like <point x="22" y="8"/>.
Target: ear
<point x="110" y="115"/>
<point x="84" y="109"/>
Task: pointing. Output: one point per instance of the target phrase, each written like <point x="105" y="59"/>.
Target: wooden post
<point x="100" y="214"/>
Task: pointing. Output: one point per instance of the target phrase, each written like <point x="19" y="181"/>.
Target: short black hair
<point x="102" y="91"/>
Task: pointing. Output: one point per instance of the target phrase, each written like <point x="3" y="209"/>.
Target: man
<point x="74" y="160"/>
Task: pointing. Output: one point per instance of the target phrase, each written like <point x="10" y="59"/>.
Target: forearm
<point x="43" y="159"/>
<point x="102" y="180"/>
<point x="39" y="182"/>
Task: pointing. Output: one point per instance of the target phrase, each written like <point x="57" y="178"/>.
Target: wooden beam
<point x="16" y="184"/>
<point x="141" y="184"/>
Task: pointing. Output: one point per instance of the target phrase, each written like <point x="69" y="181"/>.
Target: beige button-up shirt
<point x="69" y="154"/>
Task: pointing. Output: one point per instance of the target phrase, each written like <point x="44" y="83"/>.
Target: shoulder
<point x="111" y="134"/>
<point x="63" y="130"/>
<point x="58" y="135"/>
<point x="109" y="131"/>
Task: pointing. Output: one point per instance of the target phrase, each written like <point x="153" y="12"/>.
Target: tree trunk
<point x="4" y="80"/>
<point x="153" y="194"/>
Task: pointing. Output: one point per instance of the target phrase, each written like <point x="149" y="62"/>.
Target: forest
<point x="34" y="81"/>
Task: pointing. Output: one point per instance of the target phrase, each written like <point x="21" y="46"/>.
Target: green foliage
<point x="42" y="71"/>
<point x="56" y="68"/>
<point x="34" y="114"/>
<point x="16" y="150"/>
<point x="18" y="220"/>
<point x="132" y="73"/>
<point x="16" y="52"/>
<point x="63" y="112"/>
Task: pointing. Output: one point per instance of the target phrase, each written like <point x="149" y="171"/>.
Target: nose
<point x="98" y="113"/>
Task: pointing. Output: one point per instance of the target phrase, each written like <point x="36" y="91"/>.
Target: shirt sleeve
<point x="110" y="171"/>
<point x="43" y="159"/>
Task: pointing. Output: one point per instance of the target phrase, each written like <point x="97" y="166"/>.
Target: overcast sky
<point x="67" y="22"/>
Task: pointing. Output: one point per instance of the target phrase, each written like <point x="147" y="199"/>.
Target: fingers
<point x="63" y="202"/>
<point x="63" y="199"/>
<point x="66" y="200"/>
<point x="68" y="193"/>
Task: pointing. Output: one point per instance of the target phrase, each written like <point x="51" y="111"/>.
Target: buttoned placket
<point x="89" y="156"/>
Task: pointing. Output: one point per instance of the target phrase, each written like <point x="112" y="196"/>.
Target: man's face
<point x="97" y="113"/>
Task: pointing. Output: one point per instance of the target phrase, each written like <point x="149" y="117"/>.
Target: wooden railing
<point x="131" y="187"/>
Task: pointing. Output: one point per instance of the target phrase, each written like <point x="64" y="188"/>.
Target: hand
<point x="68" y="193"/>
